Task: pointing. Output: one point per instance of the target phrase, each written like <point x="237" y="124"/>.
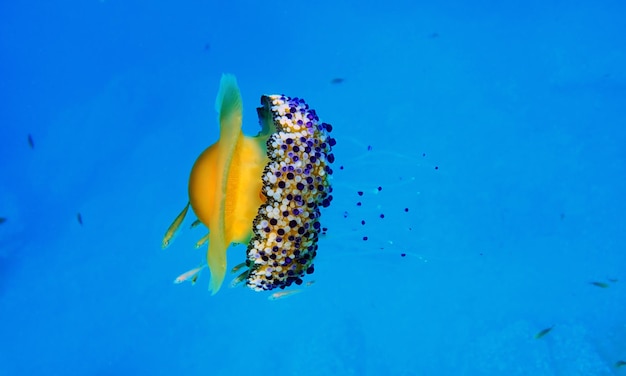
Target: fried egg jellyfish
<point x="264" y="191"/>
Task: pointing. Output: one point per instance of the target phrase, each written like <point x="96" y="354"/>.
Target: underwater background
<point x="477" y="226"/>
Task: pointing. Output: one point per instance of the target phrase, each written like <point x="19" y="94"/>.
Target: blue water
<point x="500" y="126"/>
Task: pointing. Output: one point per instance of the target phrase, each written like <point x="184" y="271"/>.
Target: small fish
<point x="620" y="363"/>
<point x="543" y="332"/>
<point x="337" y="80"/>
<point x="204" y="239"/>
<point x="172" y="230"/>
<point x="189" y="274"/>
<point x="599" y="284"/>
<point x="236" y="268"/>
<point x="79" y="218"/>
<point x="2" y="220"/>
<point x="195" y="224"/>
<point x="194" y="279"/>
<point x="31" y="143"/>
<point x="282" y="294"/>
<point x="310" y="283"/>
<point x="240" y="278"/>
<point x="613" y="280"/>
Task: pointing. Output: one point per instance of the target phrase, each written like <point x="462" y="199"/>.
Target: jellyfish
<point x="265" y="191"/>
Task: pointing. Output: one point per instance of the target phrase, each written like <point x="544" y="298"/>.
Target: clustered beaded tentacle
<point x="296" y="182"/>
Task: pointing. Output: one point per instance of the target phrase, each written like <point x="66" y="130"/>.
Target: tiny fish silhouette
<point x="283" y="294"/>
<point x="337" y="80"/>
<point x="173" y="229"/>
<point x="203" y="240"/>
<point x="236" y="268"/>
<point x="620" y="363"/>
<point x="79" y="218"/>
<point x="31" y="143"/>
<point x="189" y="274"/>
<point x="603" y="285"/>
<point x="543" y="332"/>
<point x="195" y="223"/>
<point x="240" y="278"/>
<point x="2" y="220"/>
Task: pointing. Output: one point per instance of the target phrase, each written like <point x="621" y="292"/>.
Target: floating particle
<point x="369" y="147"/>
<point x="337" y="80"/>
<point x="358" y="203"/>
<point x="341" y="167"/>
<point x="207" y="46"/>
<point x="365" y="238"/>
<point x="31" y="143"/>
<point x="345" y="214"/>
<point x="2" y="220"/>
<point x="79" y="218"/>
<point x="423" y="154"/>
<point x="360" y="193"/>
<point x="406" y="210"/>
<point x="380" y="189"/>
<point x="363" y="222"/>
<point x="382" y="216"/>
<point x="436" y="167"/>
<point x="434" y="35"/>
<point x="402" y="254"/>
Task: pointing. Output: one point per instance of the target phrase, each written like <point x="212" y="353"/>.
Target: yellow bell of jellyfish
<point x="225" y="184"/>
<point x="264" y="190"/>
